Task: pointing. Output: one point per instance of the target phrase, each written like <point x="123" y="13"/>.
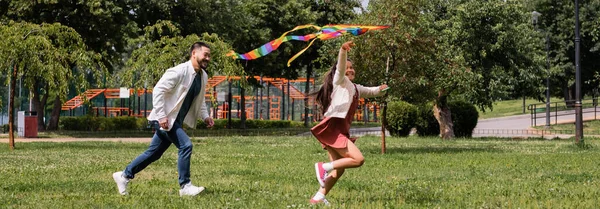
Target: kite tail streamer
<point x="300" y="52"/>
<point x="324" y="33"/>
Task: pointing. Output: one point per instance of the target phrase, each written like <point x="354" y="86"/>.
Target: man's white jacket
<point x="170" y="91"/>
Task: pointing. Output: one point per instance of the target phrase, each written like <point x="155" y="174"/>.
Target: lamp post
<point x="535" y="16"/>
<point x="578" y="112"/>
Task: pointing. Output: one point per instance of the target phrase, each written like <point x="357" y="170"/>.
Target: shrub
<point x="427" y="125"/>
<point x="5" y="128"/>
<point x="401" y="117"/>
<point x="91" y="123"/>
<point x="464" y="117"/>
<point x="252" y="124"/>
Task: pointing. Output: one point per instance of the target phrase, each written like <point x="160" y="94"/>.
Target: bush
<point x="252" y="124"/>
<point x="5" y="128"/>
<point x="464" y="117"/>
<point x="91" y="123"/>
<point x="401" y="117"/>
<point x="427" y="124"/>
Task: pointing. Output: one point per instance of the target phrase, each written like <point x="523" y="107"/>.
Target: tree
<point x="43" y="55"/>
<point x="104" y="26"/>
<point x="559" y="22"/>
<point x="162" y="47"/>
<point x="470" y="50"/>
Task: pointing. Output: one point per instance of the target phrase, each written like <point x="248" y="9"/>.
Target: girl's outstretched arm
<point x="340" y="73"/>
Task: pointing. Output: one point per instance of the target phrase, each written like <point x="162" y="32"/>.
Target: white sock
<point x="328" y="166"/>
<point x="318" y="196"/>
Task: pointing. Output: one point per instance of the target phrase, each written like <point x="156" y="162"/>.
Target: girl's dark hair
<point x="324" y="93"/>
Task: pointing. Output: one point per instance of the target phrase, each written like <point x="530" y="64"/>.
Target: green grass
<point x="277" y="172"/>
<point x="508" y="108"/>
<point x="589" y="127"/>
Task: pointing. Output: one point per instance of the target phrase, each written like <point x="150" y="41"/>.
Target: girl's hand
<point x="346" y="46"/>
<point x="382" y="87"/>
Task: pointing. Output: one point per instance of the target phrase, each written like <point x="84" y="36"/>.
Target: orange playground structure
<point x="275" y="99"/>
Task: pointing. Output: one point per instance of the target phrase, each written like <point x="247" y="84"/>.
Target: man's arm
<point x="203" y="109"/>
<point x="166" y="84"/>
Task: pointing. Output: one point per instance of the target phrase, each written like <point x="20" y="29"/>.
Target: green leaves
<point x="152" y="57"/>
<point x="52" y="54"/>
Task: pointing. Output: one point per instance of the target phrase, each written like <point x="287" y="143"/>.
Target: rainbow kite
<point x="324" y="33"/>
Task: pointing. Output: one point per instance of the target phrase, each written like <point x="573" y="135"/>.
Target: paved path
<point x="521" y="125"/>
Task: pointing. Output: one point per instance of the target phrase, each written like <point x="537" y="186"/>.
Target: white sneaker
<point x="121" y="182"/>
<point x="190" y="190"/>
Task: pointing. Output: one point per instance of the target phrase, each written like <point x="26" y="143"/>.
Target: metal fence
<point x="562" y="108"/>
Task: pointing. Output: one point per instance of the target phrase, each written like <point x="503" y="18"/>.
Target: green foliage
<point x="427" y="124"/>
<point x="464" y="118"/>
<point x="91" y="123"/>
<point x="398" y="55"/>
<point x="401" y="118"/>
<point x="104" y="26"/>
<point x="5" y="128"/>
<point x="50" y="54"/>
<point x="252" y="124"/>
<point x="557" y="20"/>
<point x="148" y="62"/>
<point x="498" y="44"/>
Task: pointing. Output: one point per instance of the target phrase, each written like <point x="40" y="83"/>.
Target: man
<point x="178" y="98"/>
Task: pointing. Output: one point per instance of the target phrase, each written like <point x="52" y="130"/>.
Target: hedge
<point x="427" y="124"/>
<point x="401" y="118"/>
<point x="464" y="117"/>
<point x="91" y="123"/>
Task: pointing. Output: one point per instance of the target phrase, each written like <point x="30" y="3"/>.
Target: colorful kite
<point x="324" y="33"/>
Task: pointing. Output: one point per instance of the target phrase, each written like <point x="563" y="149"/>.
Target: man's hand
<point x="164" y="123"/>
<point x="209" y="122"/>
<point x="346" y="46"/>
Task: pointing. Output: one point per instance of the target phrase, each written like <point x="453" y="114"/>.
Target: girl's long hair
<point x="324" y="93"/>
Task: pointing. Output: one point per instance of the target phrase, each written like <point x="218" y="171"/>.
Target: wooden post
<point x="11" y="110"/>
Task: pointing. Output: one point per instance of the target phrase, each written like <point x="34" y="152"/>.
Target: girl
<point x="338" y="98"/>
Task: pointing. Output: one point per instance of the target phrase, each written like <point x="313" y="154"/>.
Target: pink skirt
<point x="333" y="132"/>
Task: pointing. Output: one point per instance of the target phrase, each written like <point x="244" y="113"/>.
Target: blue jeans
<point x="160" y="142"/>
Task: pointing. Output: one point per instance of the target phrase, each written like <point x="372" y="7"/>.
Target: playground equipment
<point x="279" y="99"/>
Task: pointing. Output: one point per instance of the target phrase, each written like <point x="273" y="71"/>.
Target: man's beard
<point x="203" y="64"/>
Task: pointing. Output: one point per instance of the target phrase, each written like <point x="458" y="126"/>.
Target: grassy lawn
<point x="508" y="108"/>
<point x="277" y="172"/>
<point x="589" y="127"/>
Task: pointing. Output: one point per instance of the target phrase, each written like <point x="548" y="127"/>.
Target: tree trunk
<point x="243" y="108"/>
<point x="569" y="94"/>
<point x="11" y="109"/>
<point x="55" y="115"/>
<point x="38" y="106"/>
<point x="442" y="113"/>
